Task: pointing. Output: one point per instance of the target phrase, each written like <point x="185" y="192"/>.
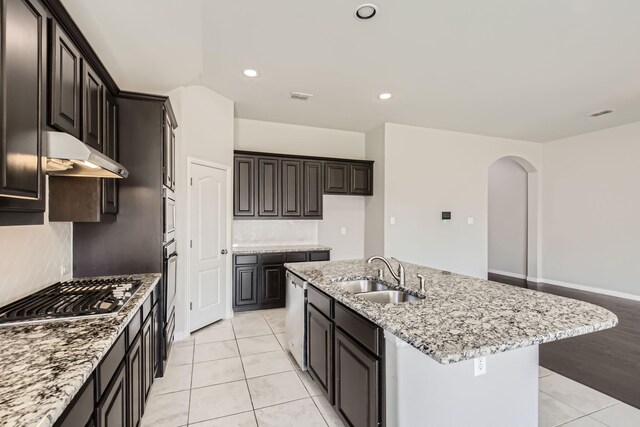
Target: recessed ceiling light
<point x="385" y="96"/>
<point x="250" y="73"/>
<point x="600" y="113"/>
<point x="366" y="11"/>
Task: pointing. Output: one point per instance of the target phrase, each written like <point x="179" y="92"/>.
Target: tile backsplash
<point x="263" y="232"/>
<point x="31" y="258"/>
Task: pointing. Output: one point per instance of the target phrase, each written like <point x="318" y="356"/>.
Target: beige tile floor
<point x="236" y="373"/>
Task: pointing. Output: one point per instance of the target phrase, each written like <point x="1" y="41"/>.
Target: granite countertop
<point x="461" y="317"/>
<point x="239" y="250"/>
<point x="44" y="365"/>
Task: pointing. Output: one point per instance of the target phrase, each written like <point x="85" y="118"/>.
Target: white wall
<point x="205" y="132"/>
<point x="31" y="257"/>
<point x="374" y="205"/>
<point x="507" y="218"/>
<point x="338" y="211"/>
<point x="591" y="210"/>
<point x="428" y="171"/>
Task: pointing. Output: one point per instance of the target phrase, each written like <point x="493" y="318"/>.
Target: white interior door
<point x="208" y="252"/>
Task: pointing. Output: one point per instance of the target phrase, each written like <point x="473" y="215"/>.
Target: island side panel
<point x="423" y="392"/>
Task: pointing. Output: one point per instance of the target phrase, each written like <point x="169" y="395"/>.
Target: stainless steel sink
<point x="359" y="286"/>
<point x="389" y="297"/>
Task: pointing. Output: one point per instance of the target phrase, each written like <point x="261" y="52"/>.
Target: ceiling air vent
<point x="300" y="96"/>
<point x="600" y="113"/>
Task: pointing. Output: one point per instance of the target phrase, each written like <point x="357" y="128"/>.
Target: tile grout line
<point x="246" y="382"/>
<point x="193" y="355"/>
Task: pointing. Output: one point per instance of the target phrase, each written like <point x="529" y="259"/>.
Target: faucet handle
<point x="423" y="287"/>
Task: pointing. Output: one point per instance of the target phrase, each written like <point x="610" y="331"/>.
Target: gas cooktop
<point x="71" y="299"/>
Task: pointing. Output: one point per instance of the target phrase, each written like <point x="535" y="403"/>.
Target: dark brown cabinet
<point x="291" y="188"/>
<point x="357" y="382"/>
<point x="320" y="332"/>
<point x="345" y="357"/>
<point x="92" y="107"/>
<point x="245" y="287"/>
<point x="148" y="353"/>
<point x="135" y="385"/>
<point x="268" y="187"/>
<point x="312" y="189"/>
<point x="169" y="152"/>
<point x="65" y="83"/>
<point x="110" y="186"/>
<point x="336" y="178"/>
<point x="22" y="65"/>
<point x="243" y="186"/>
<point x="360" y="179"/>
<point x="259" y="280"/>
<point x="112" y="409"/>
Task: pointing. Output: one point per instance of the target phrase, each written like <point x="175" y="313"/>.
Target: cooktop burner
<point x="71" y="299"/>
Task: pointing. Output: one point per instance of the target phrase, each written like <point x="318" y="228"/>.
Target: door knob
<point x="224" y="252"/>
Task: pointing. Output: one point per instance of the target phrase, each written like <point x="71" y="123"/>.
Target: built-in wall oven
<point x="169" y="215"/>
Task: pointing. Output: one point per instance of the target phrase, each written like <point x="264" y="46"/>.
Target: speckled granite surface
<point x="239" y="250"/>
<point x="43" y="366"/>
<point x="461" y="317"/>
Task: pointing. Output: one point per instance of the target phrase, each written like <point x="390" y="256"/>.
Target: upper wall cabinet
<point x="277" y="186"/>
<point x="93" y="104"/>
<point x="22" y="66"/>
<point x="110" y="186"/>
<point x="169" y="151"/>
<point x="64" y="83"/>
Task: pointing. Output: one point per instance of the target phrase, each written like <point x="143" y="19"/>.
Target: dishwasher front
<point x="296" y="318"/>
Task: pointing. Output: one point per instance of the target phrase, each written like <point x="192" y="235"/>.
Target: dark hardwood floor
<point x="608" y="361"/>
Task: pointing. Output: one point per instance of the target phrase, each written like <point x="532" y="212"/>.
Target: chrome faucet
<point x="398" y="276"/>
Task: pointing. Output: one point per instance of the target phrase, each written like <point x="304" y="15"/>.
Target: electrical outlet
<point x="392" y="220"/>
<point x="343" y="230"/>
<point x="480" y="366"/>
<point x="64" y="270"/>
<point x="470" y="220"/>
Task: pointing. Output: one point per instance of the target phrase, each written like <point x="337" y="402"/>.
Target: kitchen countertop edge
<point x="246" y="250"/>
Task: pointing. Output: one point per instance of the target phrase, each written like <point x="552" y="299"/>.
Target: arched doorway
<point x="513" y="219"/>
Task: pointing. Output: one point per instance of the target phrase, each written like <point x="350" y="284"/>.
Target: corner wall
<point x="205" y="132"/>
<point x="591" y="210"/>
<point x="374" y="237"/>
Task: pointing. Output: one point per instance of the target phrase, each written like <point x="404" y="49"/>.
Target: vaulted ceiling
<point x="529" y="69"/>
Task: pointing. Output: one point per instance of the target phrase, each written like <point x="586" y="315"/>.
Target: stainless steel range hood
<point x="68" y="156"/>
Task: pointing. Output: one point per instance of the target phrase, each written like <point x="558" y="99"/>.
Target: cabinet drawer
<point x="82" y="409"/>
<point x="272" y="258"/>
<point x="363" y="331"/>
<point x="319" y="256"/>
<point x="146" y="308"/>
<point x="296" y="257"/>
<point x="320" y="301"/>
<point x="110" y="365"/>
<point x="246" y="259"/>
<point x="134" y="327"/>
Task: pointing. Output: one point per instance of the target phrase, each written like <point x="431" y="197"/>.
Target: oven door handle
<point x="175" y="254"/>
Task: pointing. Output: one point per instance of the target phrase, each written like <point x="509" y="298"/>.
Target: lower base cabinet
<point x="112" y="409"/>
<point x="115" y="395"/>
<point x="346" y="359"/>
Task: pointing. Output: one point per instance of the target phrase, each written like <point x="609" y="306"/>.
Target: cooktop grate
<point x="74" y="298"/>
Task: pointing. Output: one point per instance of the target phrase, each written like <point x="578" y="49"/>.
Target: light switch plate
<point x="343" y="230"/>
<point x="470" y="220"/>
<point x="392" y="221"/>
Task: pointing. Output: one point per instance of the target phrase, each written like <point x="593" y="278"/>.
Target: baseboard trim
<point x="509" y="274"/>
<point x="608" y="292"/>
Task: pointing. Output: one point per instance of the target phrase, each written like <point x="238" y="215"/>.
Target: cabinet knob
<point x="224" y="252"/>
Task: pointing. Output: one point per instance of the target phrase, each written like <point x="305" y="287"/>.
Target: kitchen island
<point x="434" y="347"/>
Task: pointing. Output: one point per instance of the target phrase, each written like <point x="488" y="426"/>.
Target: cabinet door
<point x="361" y="179"/>
<point x="291" y="188"/>
<point x="312" y="190"/>
<point x="22" y="50"/>
<point x="112" y="409"/>
<point x="148" y="353"/>
<point x="64" y="83"/>
<point x="92" y="107"/>
<point x="357" y="383"/>
<point x="173" y="159"/>
<point x="167" y="151"/>
<point x="245" y="289"/>
<point x="110" y="185"/>
<point x="336" y="178"/>
<point x="268" y="187"/>
<point x="272" y="289"/>
<point x="157" y="339"/>
<point x="243" y="186"/>
<point x="135" y="392"/>
<point x="320" y="350"/>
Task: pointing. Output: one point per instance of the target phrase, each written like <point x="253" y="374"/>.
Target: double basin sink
<point x="376" y="292"/>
